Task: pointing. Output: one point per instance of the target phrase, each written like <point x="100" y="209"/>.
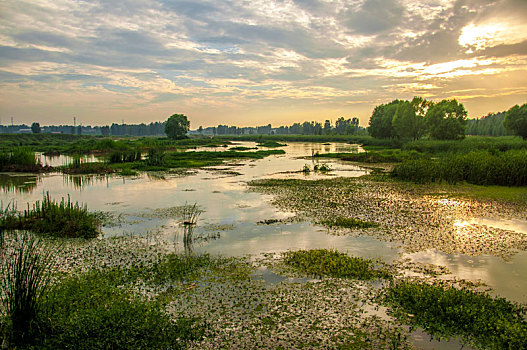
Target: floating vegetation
<point x="324" y="262"/>
<point x="405" y="212"/>
<point x="322" y="168"/>
<point x="348" y="223"/>
<point x="63" y="219"/>
<point x="446" y="311"/>
<point x="306" y="169"/>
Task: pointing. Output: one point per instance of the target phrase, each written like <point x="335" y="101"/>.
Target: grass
<point x="324" y="262"/>
<point x="478" y="167"/>
<point x="91" y="311"/>
<point x="468" y="144"/>
<point x="64" y="219"/>
<point x="381" y="156"/>
<point x="446" y="311"/>
<point x="24" y="271"/>
<point x="19" y="159"/>
<point x="271" y="144"/>
<point x="348" y="223"/>
<point x="79" y="166"/>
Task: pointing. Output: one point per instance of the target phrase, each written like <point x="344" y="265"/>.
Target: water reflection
<point x="18" y="183"/>
<point x="79" y="182"/>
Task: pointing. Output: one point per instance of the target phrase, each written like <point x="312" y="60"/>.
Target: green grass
<point x="47" y="217"/>
<point x="478" y="167"/>
<point x="348" y="223"/>
<point x="381" y="156"/>
<point x="20" y="159"/>
<point x="468" y="144"/>
<point x="91" y="311"/>
<point x="324" y="262"/>
<point x="271" y="144"/>
<point x="488" y="322"/>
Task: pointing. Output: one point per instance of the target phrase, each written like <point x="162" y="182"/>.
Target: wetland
<point x="223" y="250"/>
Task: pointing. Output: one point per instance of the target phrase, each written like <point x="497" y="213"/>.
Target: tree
<point x="381" y="120"/>
<point x="176" y="126"/>
<point x="200" y="129"/>
<point x="35" y="128"/>
<point x="446" y="120"/>
<point x="105" y="131"/>
<point x="407" y="124"/>
<point x="327" y="127"/>
<point x="516" y="120"/>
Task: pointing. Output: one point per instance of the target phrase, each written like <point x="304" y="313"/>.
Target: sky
<point x="254" y="62"/>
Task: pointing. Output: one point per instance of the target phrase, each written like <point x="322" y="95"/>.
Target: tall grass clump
<point x="24" y="278"/>
<point x="155" y="157"/>
<point x="63" y="219"/>
<point x="129" y="156"/>
<point x="19" y="159"/>
<point x="324" y="262"/>
<point x="468" y="144"/>
<point x="479" y="167"/>
<point x="491" y="323"/>
<point x="78" y="165"/>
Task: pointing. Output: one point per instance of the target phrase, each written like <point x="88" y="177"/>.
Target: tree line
<point x="444" y="120"/>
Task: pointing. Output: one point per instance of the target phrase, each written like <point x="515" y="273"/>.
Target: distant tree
<point x="79" y="130"/>
<point x="35" y="128"/>
<point x="200" y="129"/>
<point x="446" y="120"/>
<point x="176" y="126"/>
<point x="105" y="131"/>
<point x="327" y="127"/>
<point x="516" y="120"/>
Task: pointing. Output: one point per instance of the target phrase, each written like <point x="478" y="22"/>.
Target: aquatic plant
<point x="79" y="165"/>
<point x="322" y="168"/>
<point x="306" y="169"/>
<point x="446" y="311"/>
<point x="19" y="159"/>
<point x="324" y="262"/>
<point x="24" y="278"/>
<point x="91" y="311"/>
<point x="63" y="219"/>
<point x="270" y="144"/>
<point x="124" y="156"/>
<point x="348" y="223"/>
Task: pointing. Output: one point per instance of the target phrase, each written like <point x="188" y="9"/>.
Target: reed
<point x="24" y="271"/>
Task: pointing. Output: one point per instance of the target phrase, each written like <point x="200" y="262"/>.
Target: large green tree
<point x="406" y="123"/>
<point x="177" y="126"/>
<point x="446" y="120"/>
<point x="516" y="120"/>
<point x="381" y="120"/>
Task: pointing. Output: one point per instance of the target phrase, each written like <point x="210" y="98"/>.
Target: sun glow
<point x="481" y="36"/>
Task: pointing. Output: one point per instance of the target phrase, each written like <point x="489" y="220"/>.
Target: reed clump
<point x="478" y="167"/>
<point x="63" y="219"/>
<point x="20" y="159"/>
<point x="24" y="278"/>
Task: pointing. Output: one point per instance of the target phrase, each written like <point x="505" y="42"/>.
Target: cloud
<point x="247" y="57"/>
